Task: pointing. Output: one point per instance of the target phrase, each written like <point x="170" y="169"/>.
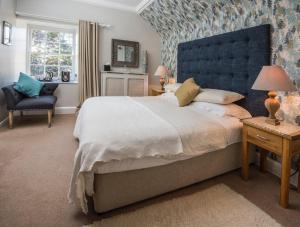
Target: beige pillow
<point x="187" y="92"/>
<point x="217" y="96"/>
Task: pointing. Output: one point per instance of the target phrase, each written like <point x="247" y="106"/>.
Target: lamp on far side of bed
<point x="162" y="71"/>
<point x="273" y="78"/>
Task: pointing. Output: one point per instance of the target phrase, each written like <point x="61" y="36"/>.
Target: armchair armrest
<point x="12" y="97"/>
<point x="48" y="89"/>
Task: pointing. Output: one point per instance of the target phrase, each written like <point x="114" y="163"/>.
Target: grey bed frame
<point x="229" y="61"/>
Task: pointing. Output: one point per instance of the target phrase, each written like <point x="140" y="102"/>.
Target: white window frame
<point x="31" y="27"/>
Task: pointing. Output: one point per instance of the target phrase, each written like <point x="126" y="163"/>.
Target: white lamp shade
<point x="273" y="78"/>
<point x="161" y="71"/>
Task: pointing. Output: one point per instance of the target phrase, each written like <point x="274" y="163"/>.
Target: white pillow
<point x="172" y="87"/>
<point x="231" y="110"/>
<point x="217" y="96"/>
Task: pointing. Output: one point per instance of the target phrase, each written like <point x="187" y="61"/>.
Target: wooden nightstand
<point x="157" y="91"/>
<point x="283" y="140"/>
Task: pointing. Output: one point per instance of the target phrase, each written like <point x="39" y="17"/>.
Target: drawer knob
<point x="262" y="138"/>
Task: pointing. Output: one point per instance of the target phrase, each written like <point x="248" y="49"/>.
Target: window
<point x="51" y="51"/>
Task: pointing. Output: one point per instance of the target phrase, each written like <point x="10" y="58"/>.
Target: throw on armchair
<point x="19" y="102"/>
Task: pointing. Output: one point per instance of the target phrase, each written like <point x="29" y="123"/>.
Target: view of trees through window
<point x="51" y="52"/>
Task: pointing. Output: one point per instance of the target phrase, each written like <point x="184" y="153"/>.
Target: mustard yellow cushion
<point x="187" y="92"/>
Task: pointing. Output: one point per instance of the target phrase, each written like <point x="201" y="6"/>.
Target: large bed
<point x="131" y="149"/>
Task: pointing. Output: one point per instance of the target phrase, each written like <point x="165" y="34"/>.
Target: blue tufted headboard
<point x="229" y="61"/>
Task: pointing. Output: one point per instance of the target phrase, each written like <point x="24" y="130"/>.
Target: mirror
<point x="7" y="33"/>
<point x="125" y="53"/>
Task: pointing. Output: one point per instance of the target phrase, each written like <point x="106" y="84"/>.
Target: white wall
<point x="125" y="25"/>
<point x="7" y="9"/>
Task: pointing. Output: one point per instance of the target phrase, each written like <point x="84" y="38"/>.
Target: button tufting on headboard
<point x="229" y="61"/>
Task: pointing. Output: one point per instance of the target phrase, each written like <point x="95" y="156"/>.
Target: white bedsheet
<point x="233" y="128"/>
<point x="116" y="133"/>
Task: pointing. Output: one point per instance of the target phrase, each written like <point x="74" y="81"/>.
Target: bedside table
<point x="157" y="91"/>
<point x="283" y="140"/>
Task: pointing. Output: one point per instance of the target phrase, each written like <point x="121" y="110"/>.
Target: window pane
<point x="52" y="60"/>
<point x="52" y="48"/>
<point x="38" y="35"/>
<point x="36" y="70"/>
<point x="53" y="37"/>
<point x="51" y="52"/>
<point x="66" y="60"/>
<point x="66" y="38"/>
<point x="66" y="48"/>
<point x="53" y="69"/>
<point x="38" y="47"/>
<point x="36" y="59"/>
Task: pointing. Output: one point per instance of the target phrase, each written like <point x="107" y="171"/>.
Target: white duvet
<point x="123" y="128"/>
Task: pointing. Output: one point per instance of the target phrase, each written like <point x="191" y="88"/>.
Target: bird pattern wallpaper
<point x="183" y="20"/>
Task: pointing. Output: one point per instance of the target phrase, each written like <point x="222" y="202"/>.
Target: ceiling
<point x="129" y="5"/>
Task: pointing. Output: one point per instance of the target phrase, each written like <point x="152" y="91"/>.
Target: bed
<point x="180" y="145"/>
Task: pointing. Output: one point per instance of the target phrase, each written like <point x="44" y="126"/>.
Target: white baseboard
<point x="275" y="168"/>
<point x="58" y="110"/>
<point x="3" y="122"/>
<point x="65" y="110"/>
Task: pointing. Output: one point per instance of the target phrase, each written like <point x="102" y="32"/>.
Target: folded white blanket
<point x="119" y="128"/>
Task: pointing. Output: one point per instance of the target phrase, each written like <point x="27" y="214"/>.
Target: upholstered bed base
<point x="119" y="189"/>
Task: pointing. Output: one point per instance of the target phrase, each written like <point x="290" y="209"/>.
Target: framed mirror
<point x="6" y="33"/>
<point x="125" y="53"/>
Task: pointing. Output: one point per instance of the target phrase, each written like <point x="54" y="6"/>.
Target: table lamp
<point x="273" y="78"/>
<point x="161" y="71"/>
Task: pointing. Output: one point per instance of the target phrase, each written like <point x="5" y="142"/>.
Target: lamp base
<point x="162" y="83"/>
<point x="272" y="106"/>
<point x="272" y="121"/>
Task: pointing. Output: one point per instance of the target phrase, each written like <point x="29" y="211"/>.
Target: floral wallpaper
<point x="184" y="20"/>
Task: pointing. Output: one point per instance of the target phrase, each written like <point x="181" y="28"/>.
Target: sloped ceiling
<point x="183" y="20"/>
<point x="167" y="15"/>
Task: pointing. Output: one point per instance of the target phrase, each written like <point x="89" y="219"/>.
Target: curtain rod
<point x="53" y="19"/>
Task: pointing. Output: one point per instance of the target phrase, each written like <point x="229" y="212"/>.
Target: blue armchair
<point x="18" y="102"/>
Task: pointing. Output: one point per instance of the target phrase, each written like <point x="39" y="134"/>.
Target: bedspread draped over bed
<point x="119" y="128"/>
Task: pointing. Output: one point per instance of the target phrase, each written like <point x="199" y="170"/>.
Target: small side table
<point x="157" y="91"/>
<point x="283" y="140"/>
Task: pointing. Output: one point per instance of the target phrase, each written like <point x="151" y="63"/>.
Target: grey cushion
<point x="13" y="97"/>
<point x="41" y="102"/>
<point x="48" y="89"/>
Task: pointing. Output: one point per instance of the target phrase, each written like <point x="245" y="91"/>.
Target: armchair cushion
<point x="28" y="86"/>
<point x="40" y="102"/>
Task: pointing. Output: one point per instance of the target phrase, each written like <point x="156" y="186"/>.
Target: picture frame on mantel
<point x="7" y="33"/>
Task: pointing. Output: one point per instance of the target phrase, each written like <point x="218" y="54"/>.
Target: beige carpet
<point x="215" y="206"/>
<point x="36" y="167"/>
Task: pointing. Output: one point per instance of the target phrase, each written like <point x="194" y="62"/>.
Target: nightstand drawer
<point x="265" y="140"/>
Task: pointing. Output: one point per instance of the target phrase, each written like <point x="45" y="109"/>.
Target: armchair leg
<point x="21" y="113"/>
<point x="11" y="119"/>
<point x="50" y="112"/>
